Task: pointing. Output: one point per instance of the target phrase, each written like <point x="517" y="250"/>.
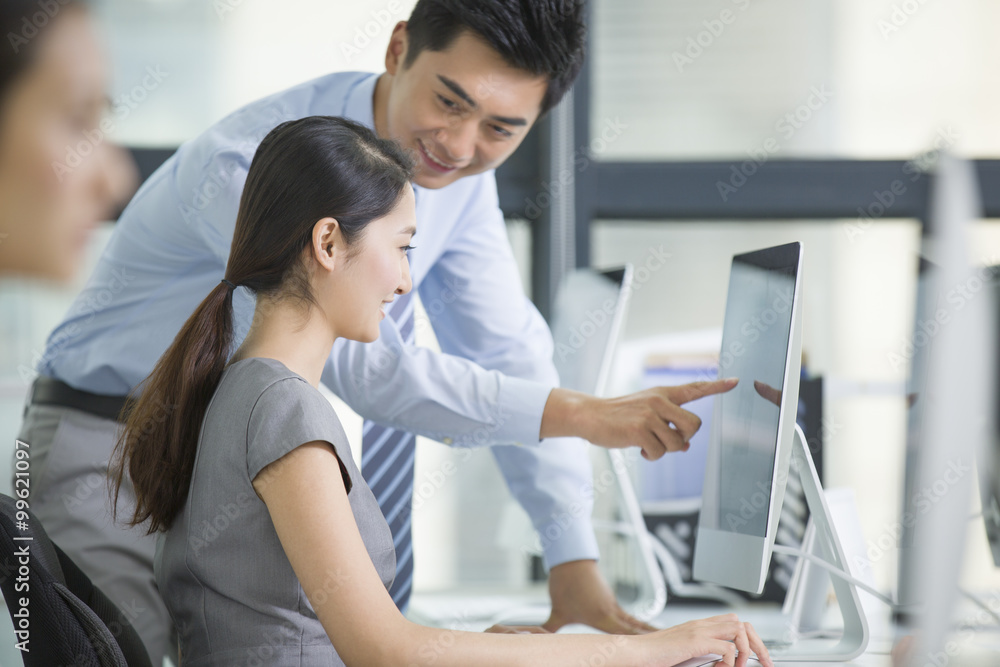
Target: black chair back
<point x="58" y="614"/>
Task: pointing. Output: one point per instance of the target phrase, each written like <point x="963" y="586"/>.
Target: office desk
<point x="767" y="620"/>
<point x="476" y="609"/>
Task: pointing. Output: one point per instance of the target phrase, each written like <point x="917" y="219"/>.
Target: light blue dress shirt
<point x="170" y="248"/>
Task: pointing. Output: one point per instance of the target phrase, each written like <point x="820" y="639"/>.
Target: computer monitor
<point x="587" y="319"/>
<point x="954" y="389"/>
<point x="753" y="424"/>
<point x="988" y="459"/>
<point x="928" y="316"/>
<point x="755" y="442"/>
<point x="916" y="396"/>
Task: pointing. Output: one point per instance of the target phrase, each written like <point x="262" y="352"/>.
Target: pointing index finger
<point x="695" y="390"/>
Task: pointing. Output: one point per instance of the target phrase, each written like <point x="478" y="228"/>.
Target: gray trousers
<point x="70" y="497"/>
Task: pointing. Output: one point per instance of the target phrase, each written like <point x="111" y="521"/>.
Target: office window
<point x="795" y="78"/>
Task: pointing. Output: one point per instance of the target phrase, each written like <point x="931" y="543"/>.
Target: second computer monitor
<point x="586" y="322"/>
<point x="988" y="461"/>
<point x="753" y="424"/>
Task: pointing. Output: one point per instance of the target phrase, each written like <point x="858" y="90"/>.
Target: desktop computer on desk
<point x="954" y="422"/>
<point x="952" y="426"/>
<point x="754" y="442"/>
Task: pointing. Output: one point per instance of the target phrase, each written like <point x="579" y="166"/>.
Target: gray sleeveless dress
<point x="221" y="570"/>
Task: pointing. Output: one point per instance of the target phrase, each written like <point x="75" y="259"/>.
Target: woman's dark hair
<point x="304" y="170"/>
<point x="21" y="24"/>
<point x="544" y="37"/>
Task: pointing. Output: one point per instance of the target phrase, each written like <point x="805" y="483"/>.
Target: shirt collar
<point x="360" y="103"/>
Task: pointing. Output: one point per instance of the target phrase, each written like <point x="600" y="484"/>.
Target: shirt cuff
<point x="520" y="404"/>
<point x="569" y="537"/>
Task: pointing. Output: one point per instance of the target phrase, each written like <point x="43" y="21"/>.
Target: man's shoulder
<point x="228" y="146"/>
<point x="324" y="95"/>
<point x="324" y="89"/>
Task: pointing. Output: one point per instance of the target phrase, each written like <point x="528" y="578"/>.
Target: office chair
<point x="69" y="621"/>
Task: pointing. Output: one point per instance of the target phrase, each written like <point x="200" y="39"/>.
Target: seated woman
<point x="274" y="551"/>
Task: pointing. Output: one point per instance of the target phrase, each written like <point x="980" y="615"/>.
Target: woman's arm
<point x="305" y="494"/>
<point x="306" y="497"/>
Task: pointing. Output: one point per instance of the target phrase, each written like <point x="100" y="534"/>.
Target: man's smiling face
<point x="462" y="111"/>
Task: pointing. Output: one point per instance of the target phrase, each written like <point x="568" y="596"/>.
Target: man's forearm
<point x="651" y="419"/>
<point x="440" y="396"/>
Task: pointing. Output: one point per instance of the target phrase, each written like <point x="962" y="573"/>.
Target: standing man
<point x="465" y="81"/>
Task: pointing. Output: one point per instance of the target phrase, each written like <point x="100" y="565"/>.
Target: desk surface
<point x="768" y="621"/>
<point x="477" y="609"/>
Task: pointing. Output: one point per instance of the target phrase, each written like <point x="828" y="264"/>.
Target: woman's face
<point x="59" y="175"/>
<point x="372" y="273"/>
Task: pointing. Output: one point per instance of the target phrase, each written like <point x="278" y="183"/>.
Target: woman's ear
<point x="327" y="243"/>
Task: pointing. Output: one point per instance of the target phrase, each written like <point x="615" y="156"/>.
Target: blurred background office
<point x="670" y="83"/>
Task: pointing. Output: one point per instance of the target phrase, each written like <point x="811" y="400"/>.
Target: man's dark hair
<point x="544" y="37"/>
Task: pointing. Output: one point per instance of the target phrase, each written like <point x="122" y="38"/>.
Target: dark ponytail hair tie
<point x="230" y="285"/>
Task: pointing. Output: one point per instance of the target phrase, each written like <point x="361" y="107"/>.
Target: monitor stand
<point x="854" y="641"/>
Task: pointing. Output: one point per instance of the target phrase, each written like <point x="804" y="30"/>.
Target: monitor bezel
<point x="623" y="276"/>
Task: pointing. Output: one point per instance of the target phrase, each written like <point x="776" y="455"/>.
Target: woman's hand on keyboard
<point x="724" y="635"/>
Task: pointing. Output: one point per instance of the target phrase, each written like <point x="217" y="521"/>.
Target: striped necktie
<point x="387" y="465"/>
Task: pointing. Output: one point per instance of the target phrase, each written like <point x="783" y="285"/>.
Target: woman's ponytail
<point x="161" y="427"/>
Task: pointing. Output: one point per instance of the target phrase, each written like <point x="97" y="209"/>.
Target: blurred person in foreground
<point x="52" y="103"/>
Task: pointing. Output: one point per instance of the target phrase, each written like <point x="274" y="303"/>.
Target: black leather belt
<point x="49" y="391"/>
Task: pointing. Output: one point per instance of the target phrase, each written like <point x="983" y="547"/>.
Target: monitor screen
<point x="755" y="340"/>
